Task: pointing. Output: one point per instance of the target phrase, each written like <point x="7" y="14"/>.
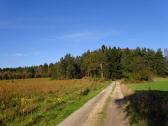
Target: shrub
<point x="143" y="75"/>
<point x="85" y="91"/>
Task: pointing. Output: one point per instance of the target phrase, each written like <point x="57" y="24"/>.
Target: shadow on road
<point x="146" y="108"/>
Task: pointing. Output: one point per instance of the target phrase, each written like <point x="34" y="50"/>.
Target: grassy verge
<point x="159" y="84"/>
<point x="148" y="105"/>
<point x="81" y="101"/>
<point x="42" y="102"/>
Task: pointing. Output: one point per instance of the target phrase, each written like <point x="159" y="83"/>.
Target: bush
<point x="144" y="75"/>
<point x="85" y="91"/>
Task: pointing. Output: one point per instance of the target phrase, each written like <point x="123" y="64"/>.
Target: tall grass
<point x="43" y="101"/>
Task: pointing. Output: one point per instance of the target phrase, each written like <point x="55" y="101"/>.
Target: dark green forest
<point x="108" y="63"/>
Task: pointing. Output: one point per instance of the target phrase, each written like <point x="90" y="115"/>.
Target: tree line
<point x="105" y="62"/>
<point x="41" y="71"/>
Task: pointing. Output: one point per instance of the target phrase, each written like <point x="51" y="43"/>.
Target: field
<point x="43" y="102"/>
<point x="148" y="104"/>
<point x="158" y="84"/>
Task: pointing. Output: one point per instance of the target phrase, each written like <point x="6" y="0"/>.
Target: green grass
<point x="148" y="107"/>
<point x="158" y="84"/>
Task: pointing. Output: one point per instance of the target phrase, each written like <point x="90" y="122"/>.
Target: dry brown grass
<point x="25" y="97"/>
<point x="44" y="86"/>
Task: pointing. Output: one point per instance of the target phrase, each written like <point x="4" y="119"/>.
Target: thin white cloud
<point x="19" y="54"/>
<point x="4" y="23"/>
<point x="75" y="35"/>
<point x="85" y="36"/>
<point x="69" y="36"/>
<point x="20" y="25"/>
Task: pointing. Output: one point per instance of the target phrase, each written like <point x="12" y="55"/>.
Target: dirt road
<point x="90" y="113"/>
<point x="114" y="113"/>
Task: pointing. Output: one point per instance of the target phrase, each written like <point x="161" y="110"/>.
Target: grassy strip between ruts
<point x="42" y="102"/>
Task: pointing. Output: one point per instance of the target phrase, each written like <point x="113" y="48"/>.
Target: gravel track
<point x="90" y="113"/>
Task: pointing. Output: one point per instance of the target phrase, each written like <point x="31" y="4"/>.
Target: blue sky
<point x="33" y="32"/>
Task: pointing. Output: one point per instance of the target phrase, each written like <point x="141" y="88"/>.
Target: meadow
<point x="160" y="84"/>
<point x="147" y="105"/>
<point x="42" y="102"/>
